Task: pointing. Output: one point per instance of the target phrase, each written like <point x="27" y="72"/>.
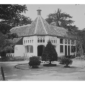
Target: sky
<point x="76" y="11"/>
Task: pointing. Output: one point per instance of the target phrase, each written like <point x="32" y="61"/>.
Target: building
<point x="33" y="38"/>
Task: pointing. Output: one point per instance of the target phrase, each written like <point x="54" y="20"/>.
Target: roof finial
<point x="39" y="11"/>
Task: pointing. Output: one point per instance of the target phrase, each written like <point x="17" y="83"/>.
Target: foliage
<point x="34" y="61"/>
<point x="65" y="61"/>
<point x="61" y="19"/>
<point x="12" y="35"/>
<point x="12" y="14"/>
<point x="20" y="20"/>
<point x="9" y="11"/>
<point x="5" y="46"/>
<point x="4" y="28"/>
<point x="49" y="53"/>
<point x="81" y="42"/>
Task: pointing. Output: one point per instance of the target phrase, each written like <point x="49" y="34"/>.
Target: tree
<point x="61" y="19"/>
<point x="81" y="42"/>
<point x="19" y="21"/>
<point x="2" y="40"/>
<point x="12" y="35"/>
<point x="5" y="45"/>
<point x="5" y="28"/>
<point x="49" y="53"/>
<point x="10" y="11"/>
<point x="12" y="14"/>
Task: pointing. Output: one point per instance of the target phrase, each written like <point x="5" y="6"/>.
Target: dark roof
<point x="40" y="27"/>
<point x="18" y="41"/>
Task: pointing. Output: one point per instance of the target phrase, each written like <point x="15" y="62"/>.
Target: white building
<point x="33" y="38"/>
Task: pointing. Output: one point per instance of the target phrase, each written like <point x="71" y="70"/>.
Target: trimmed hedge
<point x="34" y="62"/>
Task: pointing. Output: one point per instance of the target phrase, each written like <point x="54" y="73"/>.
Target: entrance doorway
<point x="40" y="49"/>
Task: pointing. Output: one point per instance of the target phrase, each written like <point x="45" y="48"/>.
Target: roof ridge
<point x="36" y="26"/>
<point x="43" y="26"/>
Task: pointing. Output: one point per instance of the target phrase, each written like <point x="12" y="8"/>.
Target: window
<point x="56" y="41"/>
<point x="43" y="40"/>
<point x="28" y="41"/>
<point x="61" y="41"/>
<point x="72" y="49"/>
<point x="72" y="41"/>
<point x="24" y="41"/>
<point x="29" y="49"/>
<point x="51" y="41"/>
<point x="38" y="40"/>
<point x="65" y="41"/>
<point x="68" y="41"/>
<point x="61" y="48"/>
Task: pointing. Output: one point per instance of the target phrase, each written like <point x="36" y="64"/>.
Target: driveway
<point x="21" y="71"/>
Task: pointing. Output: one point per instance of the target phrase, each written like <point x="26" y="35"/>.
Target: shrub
<point x="70" y="56"/>
<point x="65" y="61"/>
<point x="34" y="62"/>
<point x="49" y="53"/>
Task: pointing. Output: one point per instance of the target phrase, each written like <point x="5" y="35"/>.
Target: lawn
<point x="21" y="71"/>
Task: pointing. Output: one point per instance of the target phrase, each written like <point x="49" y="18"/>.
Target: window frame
<point x="29" y="48"/>
<point x="61" y="40"/>
<point x="61" y="48"/>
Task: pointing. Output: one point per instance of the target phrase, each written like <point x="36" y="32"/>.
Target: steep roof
<point x="18" y="41"/>
<point x="40" y="27"/>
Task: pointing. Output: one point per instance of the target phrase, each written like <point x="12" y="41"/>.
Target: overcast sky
<point x="76" y="11"/>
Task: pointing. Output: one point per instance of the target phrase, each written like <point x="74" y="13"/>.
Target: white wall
<point x="58" y="47"/>
<point x="33" y="42"/>
<point x="19" y="50"/>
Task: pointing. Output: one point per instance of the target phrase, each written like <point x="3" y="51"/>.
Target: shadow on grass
<point x="22" y="66"/>
<point x="49" y="65"/>
<point x="25" y="67"/>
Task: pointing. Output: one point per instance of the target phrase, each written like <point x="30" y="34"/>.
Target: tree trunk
<point x="66" y="65"/>
<point x="50" y="62"/>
